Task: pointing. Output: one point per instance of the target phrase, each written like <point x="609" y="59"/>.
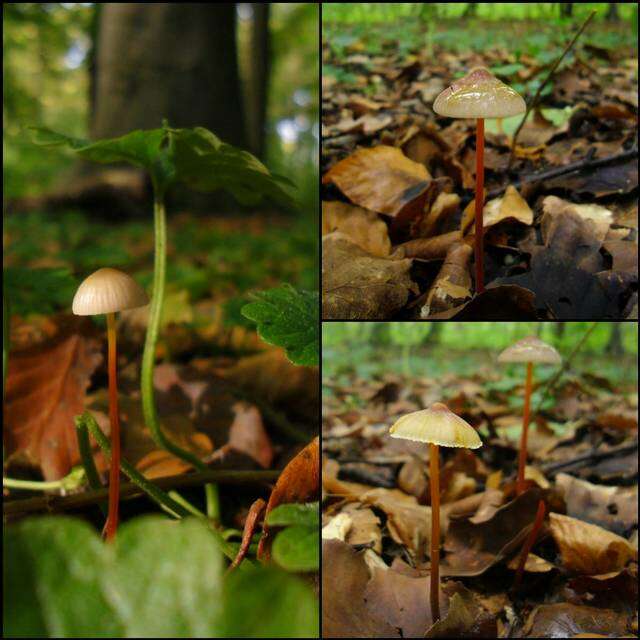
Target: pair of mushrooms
<point x="440" y="427"/>
<point x="108" y="291"/>
<point x="479" y="95"/>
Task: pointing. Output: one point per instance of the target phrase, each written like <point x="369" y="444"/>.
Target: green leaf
<point x="288" y="318"/>
<point x="306" y="515"/>
<point x="506" y="69"/>
<point x="53" y="572"/>
<point x="269" y="603"/>
<point x="297" y="549"/>
<point x="160" y="579"/>
<point x="196" y="157"/>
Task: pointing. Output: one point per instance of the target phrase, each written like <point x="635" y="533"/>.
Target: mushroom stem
<point x="537" y="523"/>
<point x="111" y="525"/>
<point x="434" y="477"/>
<point x="479" y="249"/>
<point x="522" y="457"/>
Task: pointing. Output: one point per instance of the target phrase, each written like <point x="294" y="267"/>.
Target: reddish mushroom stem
<point x="537" y="524"/>
<point x="522" y="457"/>
<point x="111" y="525"/>
<point x="434" y="473"/>
<point x="479" y="248"/>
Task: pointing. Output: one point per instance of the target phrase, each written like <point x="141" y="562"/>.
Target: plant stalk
<point x="148" y="357"/>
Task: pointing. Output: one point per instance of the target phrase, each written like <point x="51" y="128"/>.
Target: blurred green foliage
<point x="370" y="349"/>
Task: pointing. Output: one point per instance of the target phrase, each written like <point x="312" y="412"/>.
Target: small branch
<point x="568" y="168"/>
<point x="593" y="456"/>
<point x="54" y="503"/>
<point x="534" y="101"/>
<point x="565" y="365"/>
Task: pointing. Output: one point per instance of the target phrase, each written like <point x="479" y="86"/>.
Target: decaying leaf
<point x="46" y="388"/>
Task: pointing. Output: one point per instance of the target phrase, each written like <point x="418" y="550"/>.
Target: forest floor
<point x="377" y="515"/>
<point x="398" y="181"/>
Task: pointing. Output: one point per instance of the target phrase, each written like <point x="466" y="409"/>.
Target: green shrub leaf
<point x="297" y="548"/>
<point x="288" y="318"/>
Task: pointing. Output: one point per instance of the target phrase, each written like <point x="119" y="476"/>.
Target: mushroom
<point x="479" y="95"/>
<point x="109" y="291"/>
<point x="530" y="350"/>
<point x="439" y="427"/>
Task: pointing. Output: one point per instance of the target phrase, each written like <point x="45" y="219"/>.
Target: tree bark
<point x="257" y="81"/>
<point x="614" y="346"/>
<point x="168" y="60"/>
<point x="612" y="13"/>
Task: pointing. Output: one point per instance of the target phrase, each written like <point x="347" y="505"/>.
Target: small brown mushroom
<point x="439" y="427"/>
<point x="529" y="350"/>
<point x="109" y="291"/>
<point x="479" y="95"/>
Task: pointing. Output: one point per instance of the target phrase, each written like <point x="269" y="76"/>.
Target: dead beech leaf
<point x="511" y="206"/>
<point x="600" y="217"/>
<point x="46" y="387"/>
<point x="587" y="548"/>
<point x="248" y="435"/>
<point x="380" y="179"/>
<point x="357" y="285"/>
<point x="364" y="228"/>
<point x="401" y="601"/>
<point x="344" y="611"/>
<point x="298" y="482"/>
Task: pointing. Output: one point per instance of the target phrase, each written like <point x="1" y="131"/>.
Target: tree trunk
<point x="471" y="10"/>
<point x="614" y="346"/>
<point x="566" y="9"/>
<point x="257" y="80"/>
<point x="612" y="13"/>
<point x="168" y="60"/>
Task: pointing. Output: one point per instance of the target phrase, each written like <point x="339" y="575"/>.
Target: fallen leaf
<point x="46" y="388"/>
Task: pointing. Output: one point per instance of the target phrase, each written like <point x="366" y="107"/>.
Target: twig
<point x="565" y="365"/>
<point x="568" y="168"/>
<point x="592" y="456"/>
<point x="131" y="490"/>
<point x="534" y="101"/>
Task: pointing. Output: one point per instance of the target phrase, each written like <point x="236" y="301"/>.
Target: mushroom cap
<point x="479" y="95"/>
<point x="530" y="349"/>
<point x="107" y="291"/>
<point x="437" y="425"/>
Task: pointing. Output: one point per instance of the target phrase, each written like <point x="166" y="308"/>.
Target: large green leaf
<point x="160" y="578"/>
<point x="269" y="603"/>
<point x="288" y="318"/>
<point x="195" y="157"/>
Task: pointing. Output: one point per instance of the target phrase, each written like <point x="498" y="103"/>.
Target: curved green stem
<point x="88" y="462"/>
<point x="155" y="493"/>
<point x="33" y="485"/>
<point x="148" y="357"/>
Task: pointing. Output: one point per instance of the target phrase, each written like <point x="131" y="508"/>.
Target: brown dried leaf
<point x="364" y="228"/>
<point x="46" y="387"/>
<point x="587" y="548"/>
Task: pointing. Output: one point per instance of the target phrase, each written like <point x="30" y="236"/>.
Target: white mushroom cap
<point x="530" y="349"/>
<point x="479" y="95"/>
<point x="437" y="425"/>
<point x="107" y="291"/>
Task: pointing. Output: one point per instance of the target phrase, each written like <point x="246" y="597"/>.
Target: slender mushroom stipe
<point x="108" y="291"/>
<point x="437" y="426"/>
<point x="479" y="95"/>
